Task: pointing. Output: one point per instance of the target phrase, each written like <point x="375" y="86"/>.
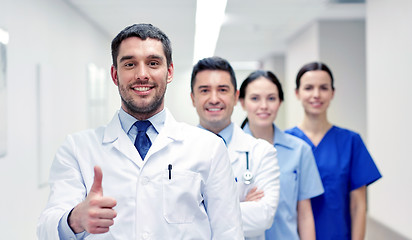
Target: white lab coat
<point x="257" y="216"/>
<point x="198" y="202"/>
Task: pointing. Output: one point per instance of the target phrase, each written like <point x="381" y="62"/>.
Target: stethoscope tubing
<point x="247" y="176"/>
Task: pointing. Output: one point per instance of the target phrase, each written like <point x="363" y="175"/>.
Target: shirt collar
<point x="226" y="133"/>
<point x="127" y="120"/>
<point x="279" y="137"/>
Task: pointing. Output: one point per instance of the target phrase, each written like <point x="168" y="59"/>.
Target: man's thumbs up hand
<point x="95" y="214"/>
<point x="97" y="182"/>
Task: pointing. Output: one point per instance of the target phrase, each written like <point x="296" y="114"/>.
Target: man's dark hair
<point x="142" y="31"/>
<point x="213" y="63"/>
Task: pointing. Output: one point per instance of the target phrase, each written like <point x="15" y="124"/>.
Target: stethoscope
<point x="247" y="175"/>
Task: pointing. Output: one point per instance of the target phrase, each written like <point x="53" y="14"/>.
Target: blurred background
<point x="55" y="79"/>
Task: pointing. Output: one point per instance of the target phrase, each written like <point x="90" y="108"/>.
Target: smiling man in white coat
<point x="144" y="175"/>
<point x="254" y="162"/>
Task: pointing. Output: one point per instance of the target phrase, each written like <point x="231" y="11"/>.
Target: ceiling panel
<point x="252" y="29"/>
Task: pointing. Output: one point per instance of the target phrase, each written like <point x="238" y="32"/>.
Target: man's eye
<point x="129" y="64"/>
<point x="254" y="98"/>
<point x="272" y="98"/>
<point x="153" y="63"/>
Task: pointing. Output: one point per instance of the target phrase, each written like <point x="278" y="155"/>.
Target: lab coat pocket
<point x="181" y="196"/>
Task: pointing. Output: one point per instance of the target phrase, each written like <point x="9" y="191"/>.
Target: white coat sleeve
<point x="67" y="189"/>
<point x="258" y="216"/>
<point x="221" y="198"/>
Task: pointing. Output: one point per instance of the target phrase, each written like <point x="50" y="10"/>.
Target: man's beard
<point x="148" y="109"/>
<point x="132" y="107"/>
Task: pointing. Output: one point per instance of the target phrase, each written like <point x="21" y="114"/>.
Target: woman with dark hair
<point x="344" y="163"/>
<point x="261" y="95"/>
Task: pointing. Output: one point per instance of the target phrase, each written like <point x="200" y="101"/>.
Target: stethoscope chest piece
<point x="247" y="177"/>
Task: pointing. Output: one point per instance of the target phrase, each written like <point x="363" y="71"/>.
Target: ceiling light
<point x="4" y="37"/>
<point x="246" y="65"/>
<point x="209" y="18"/>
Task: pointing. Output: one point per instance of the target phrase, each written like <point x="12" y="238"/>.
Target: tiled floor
<point x="377" y="231"/>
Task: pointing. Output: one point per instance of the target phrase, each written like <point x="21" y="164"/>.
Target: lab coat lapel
<point x="238" y="146"/>
<point x="171" y="132"/>
<point x="115" y="136"/>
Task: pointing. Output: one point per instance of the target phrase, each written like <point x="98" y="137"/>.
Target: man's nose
<point x="141" y="72"/>
<point x="214" y="97"/>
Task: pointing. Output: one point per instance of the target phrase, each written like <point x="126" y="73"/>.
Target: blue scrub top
<point x="344" y="164"/>
<point x="299" y="180"/>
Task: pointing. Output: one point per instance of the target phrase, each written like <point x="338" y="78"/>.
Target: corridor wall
<point x="389" y="114"/>
<point x="341" y="45"/>
<point x="50" y="48"/>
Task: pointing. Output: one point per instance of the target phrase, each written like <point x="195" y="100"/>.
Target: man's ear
<point x="193" y="99"/>
<point x="237" y="95"/>
<point x="113" y="73"/>
<point x="170" y="72"/>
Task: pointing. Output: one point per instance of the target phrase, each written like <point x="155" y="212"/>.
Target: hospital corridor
<point x="57" y="78"/>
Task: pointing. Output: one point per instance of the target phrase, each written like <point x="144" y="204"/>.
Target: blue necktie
<point x="142" y="142"/>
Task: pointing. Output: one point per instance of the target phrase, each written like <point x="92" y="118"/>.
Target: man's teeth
<point x="214" y="109"/>
<point x="141" y="89"/>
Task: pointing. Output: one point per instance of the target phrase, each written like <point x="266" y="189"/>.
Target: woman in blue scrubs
<point x="344" y="163"/>
<point x="261" y="95"/>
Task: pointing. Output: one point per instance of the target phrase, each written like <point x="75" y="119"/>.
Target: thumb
<point x="97" y="182"/>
